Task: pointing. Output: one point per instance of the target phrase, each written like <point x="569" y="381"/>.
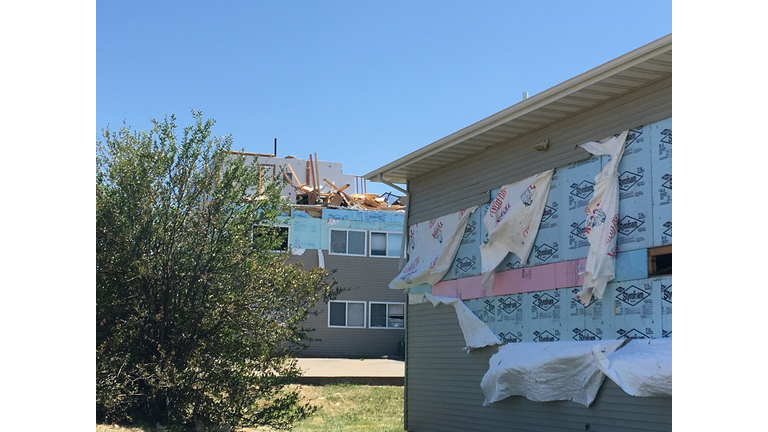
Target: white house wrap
<point x="432" y="245"/>
<point x="642" y="368"/>
<point x="476" y="333"/>
<point x="602" y="220"/>
<point x="513" y="221"/>
<point x="547" y="371"/>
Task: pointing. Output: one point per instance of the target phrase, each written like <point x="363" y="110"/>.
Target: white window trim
<point x="387" y="315"/>
<point x="281" y="225"/>
<point x="346" y="316"/>
<point x="387" y="233"/>
<point x="365" y="246"/>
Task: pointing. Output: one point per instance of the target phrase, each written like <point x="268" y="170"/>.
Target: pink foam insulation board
<point x="523" y="280"/>
<point x="447" y="288"/>
<point x="567" y="273"/>
<point x="471" y="288"/>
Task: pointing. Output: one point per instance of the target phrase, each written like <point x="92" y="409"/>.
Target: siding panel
<point x="443" y="390"/>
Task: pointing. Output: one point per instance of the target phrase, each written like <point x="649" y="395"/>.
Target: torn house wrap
<point x="476" y="333"/>
<point x="643" y="367"/>
<point x="431" y="246"/>
<point x="547" y="371"/>
<point x="513" y="221"/>
<point x="602" y="220"/>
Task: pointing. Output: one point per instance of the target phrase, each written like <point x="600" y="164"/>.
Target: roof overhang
<point x="636" y="69"/>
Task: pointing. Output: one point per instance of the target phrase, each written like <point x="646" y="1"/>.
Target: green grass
<point x="341" y="407"/>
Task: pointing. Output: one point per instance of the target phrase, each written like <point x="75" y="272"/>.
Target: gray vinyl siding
<point x="468" y="183"/>
<point x="365" y="279"/>
<point x="442" y="391"/>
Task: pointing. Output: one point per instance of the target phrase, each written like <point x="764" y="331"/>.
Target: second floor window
<point x="347" y="242"/>
<point x="385" y="244"/>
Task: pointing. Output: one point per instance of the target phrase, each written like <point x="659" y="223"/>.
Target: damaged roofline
<point x="528" y="105"/>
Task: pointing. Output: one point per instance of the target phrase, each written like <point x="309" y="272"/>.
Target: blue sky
<point x="357" y="82"/>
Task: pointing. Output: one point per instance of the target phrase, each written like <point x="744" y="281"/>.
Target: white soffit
<point x="638" y="68"/>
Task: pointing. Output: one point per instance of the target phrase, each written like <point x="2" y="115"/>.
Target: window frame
<point x="346" y="313"/>
<point x="347" y="230"/>
<point x="400" y="246"/>
<point x="387" y="327"/>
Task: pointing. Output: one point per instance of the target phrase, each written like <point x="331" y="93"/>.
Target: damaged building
<point x="540" y="294"/>
<point x="335" y="224"/>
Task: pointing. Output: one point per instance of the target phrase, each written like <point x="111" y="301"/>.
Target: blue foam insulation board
<point x="420" y="289"/>
<point x="661" y="167"/>
<point x="578" y="185"/>
<point x="635" y="191"/>
<point x="467" y="260"/>
<point x="637" y="309"/>
<point x="305" y="233"/>
<point x="665" y="291"/>
<point x="631" y="265"/>
<point x="597" y="317"/>
<point x="547" y="314"/>
<point x="336" y="214"/>
<point x="510" y="317"/>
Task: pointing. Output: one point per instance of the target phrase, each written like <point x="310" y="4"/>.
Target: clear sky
<point x="357" y="82"/>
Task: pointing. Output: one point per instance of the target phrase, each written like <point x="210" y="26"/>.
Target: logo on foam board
<point x="583" y="189"/>
<point x="544" y="301"/>
<point x="585" y="335"/>
<point x="667" y="181"/>
<point x="634" y="135"/>
<point x="489" y="307"/>
<point x="548" y="212"/>
<point x="464" y="264"/>
<point x="668" y="226"/>
<point x="667" y="136"/>
<point x="578" y="230"/>
<point x="627" y="179"/>
<point x="631" y="295"/>
<point x="513" y="265"/>
<point x="628" y="225"/>
<point x="666" y="333"/>
<point x="508" y="305"/>
<point x="666" y="293"/>
<point x="510" y="337"/>
<point x="545" y="336"/>
<point x="632" y="334"/>
<point x="470" y="229"/>
<point x="544" y="252"/>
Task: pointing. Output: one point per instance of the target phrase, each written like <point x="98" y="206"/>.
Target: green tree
<point x="194" y="315"/>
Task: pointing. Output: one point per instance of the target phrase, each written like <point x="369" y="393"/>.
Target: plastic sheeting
<point x="643" y="367"/>
<point x="547" y="371"/>
<point x="432" y="245"/>
<point x="512" y="222"/>
<point x="476" y="333"/>
<point x="602" y="222"/>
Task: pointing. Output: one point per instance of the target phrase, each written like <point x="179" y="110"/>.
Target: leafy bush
<point x="194" y="315"/>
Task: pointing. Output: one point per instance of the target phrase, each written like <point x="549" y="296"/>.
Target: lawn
<point x="341" y="407"/>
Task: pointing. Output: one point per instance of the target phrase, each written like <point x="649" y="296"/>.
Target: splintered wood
<point x="311" y="192"/>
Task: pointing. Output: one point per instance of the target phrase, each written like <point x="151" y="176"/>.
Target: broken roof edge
<point x="528" y="105"/>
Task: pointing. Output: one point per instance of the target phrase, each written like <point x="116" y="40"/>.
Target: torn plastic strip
<point x="476" y="333"/>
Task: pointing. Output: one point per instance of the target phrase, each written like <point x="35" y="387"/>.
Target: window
<point x="275" y="238"/>
<point x="347" y="242"/>
<point x="660" y="261"/>
<point x="386" y="244"/>
<point x="387" y="315"/>
<point x="346" y="314"/>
